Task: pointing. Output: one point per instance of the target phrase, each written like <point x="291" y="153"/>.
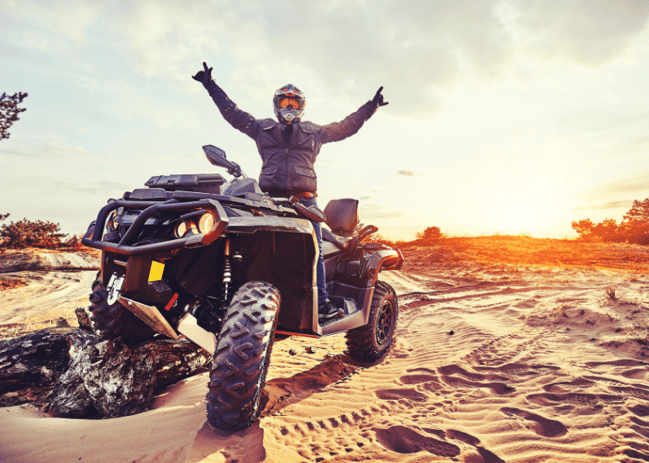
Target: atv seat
<point x="342" y="219"/>
<point x="342" y="216"/>
<point x="332" y="244"/>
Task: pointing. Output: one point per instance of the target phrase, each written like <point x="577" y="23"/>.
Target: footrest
<point x="348" y="304"/>
<point x="353" y="317"/>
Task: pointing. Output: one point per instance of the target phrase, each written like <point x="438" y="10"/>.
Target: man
<point x="288" y="148"/>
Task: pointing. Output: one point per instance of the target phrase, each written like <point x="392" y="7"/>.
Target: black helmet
<point x="288" y="104"/>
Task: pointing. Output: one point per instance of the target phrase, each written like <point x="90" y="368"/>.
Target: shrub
<point x="635" y="231"/>
<point x="634" y="228"/>
<point x="26" y="233"/>
<point x="74" y="243"/>
<point x="430" y="234"/>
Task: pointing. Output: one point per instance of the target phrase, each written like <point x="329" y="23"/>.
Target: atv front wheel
<point x="114" y="321"/>
<point x="242" y="356"/>
<point x="372" y="341"/>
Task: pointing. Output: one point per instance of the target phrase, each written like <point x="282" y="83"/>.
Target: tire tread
<point x="242" y="356"/>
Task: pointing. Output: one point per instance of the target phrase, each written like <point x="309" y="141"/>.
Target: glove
<point x="378" y="98"/>
<point x="204" y="76"/>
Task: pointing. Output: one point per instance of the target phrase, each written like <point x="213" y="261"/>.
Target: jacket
<point x="288" y="165"/>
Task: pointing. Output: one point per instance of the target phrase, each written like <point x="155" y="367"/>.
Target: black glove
<point x="204" y="76"/>
<point x="378" y="99"/>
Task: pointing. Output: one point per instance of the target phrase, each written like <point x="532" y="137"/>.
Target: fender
<point x="384" y="259"/>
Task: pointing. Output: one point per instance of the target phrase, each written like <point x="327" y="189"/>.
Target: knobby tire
<point x="242" y="356"/>
<point x="372" y="341"/>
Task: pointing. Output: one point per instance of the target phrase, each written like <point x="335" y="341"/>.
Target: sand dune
<point x="46" y="286"/>
<point x="492" y="362"/>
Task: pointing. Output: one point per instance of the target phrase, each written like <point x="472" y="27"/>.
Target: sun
<point x="520" y="219"/>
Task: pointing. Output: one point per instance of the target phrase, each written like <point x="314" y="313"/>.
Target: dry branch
<point x="77" y="373"/>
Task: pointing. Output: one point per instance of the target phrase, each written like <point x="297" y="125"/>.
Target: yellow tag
<point x="156" y="271"/>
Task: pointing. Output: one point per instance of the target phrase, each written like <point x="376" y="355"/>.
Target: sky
<point x="504" y="116"/>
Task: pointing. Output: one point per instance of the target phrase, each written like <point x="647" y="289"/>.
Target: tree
<point x="26" y="233"/>
<point x="608" y="231"/>
<point x="639" y="211"/>
<point x="635" y="232"/>
<point x="584" y="229"/>
<point x="9" y="111"/>
<point x="430" y="234"/>
<point x="635" y="226"/>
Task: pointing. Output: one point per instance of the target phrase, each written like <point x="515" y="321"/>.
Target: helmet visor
<point x="290" y="101"/>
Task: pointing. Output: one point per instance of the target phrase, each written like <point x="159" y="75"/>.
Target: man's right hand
<point x="204" y="76"/>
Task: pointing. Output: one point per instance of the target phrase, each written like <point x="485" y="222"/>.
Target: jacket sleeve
<point x="337" y="131"/>
<point x="237" y="118"/>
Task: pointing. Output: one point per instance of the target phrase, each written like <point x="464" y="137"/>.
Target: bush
<point x="26" y="233"/>
<point x="430" y="235"/>
<point x="74" y="243"/>
<point x="634" y="228"/>
<point x="635" y="231"/>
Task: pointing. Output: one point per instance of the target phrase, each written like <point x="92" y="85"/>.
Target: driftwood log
<point x="76" y="373"/>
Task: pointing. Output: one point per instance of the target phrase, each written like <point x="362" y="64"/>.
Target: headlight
<point x="111" y="223"/>
<point x="185" y="227"/>
<point x="206" y="223"/>
<point x="181" y="229"/>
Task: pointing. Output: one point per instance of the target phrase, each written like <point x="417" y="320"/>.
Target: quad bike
<point x="231" y="268"/>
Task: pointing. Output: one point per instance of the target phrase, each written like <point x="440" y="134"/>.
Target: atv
<point x="231" y="268"/>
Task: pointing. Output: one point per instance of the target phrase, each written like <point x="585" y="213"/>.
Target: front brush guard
<point x="127" y="246"/>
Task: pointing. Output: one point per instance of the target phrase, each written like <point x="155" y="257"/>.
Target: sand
<point x="533" y="362"/>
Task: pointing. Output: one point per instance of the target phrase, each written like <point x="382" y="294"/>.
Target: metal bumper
<point x="126" y="245"/>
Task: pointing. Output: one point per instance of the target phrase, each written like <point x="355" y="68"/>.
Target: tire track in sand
<point x="470" y="379"/>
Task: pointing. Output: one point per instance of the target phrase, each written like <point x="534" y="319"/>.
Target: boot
<point x="328" y="311"/>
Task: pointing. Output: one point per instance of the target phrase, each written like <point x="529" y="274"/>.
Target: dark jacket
<point x="288" y="165"/>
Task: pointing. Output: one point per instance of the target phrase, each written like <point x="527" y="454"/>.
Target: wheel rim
<point x="384" y="323"/>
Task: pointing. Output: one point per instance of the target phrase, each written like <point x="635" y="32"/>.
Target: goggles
<point x="289" y="101"/>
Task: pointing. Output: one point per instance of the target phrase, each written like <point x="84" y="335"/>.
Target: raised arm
<point x="237" y="118"/>
<point x="337" y="131"/>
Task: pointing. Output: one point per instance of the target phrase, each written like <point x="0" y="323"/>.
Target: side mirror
<point x="216" y="156"/>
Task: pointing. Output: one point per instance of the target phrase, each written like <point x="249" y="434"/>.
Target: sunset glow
<point x="520" y="219"/>
<point x="504" y="117"/>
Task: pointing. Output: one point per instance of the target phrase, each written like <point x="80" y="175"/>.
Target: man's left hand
<point x="378" y="99"/>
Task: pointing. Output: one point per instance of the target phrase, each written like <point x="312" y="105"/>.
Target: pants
<point x="320" y="266"/>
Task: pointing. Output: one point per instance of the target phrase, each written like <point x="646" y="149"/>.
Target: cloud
<point x="13" y="52"/>
<point x="407" y="173"/>
<point x="413" y="48"/>
<point x="165" y="36"/>
<point x="605" y="206"/>
<point x="589" y="32"/>
<point x="46" y="149"/>
<point x="48" y="25"/>
<point x="630" y="185"/>
<point x="100" y="188"/>
<point x="369" y="211"/>
<point x="74" y="18"/>
<point x="417" y="49"/>
<point x="633" y="186"/>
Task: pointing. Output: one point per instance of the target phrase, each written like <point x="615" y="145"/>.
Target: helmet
<point x="288" y="104"/>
